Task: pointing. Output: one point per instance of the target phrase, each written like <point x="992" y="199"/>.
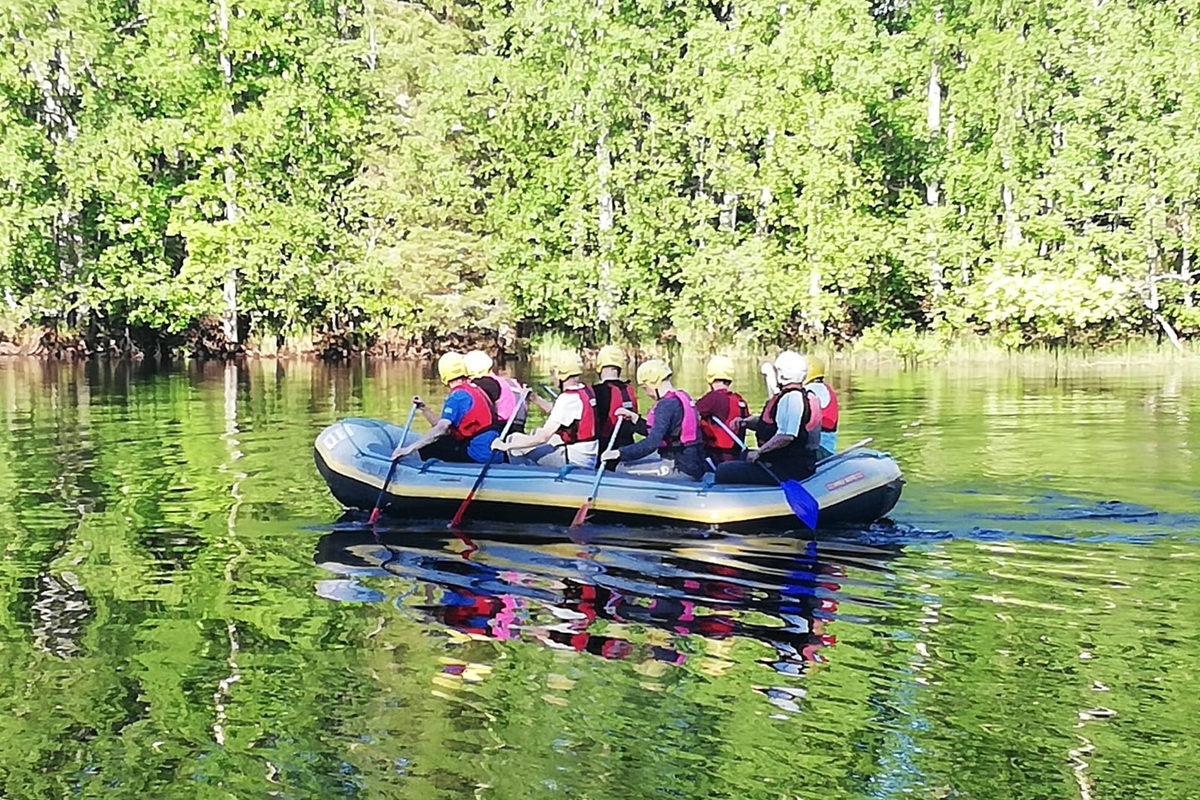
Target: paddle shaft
<point x="581" y="514"/>
<point x="742" y="444"/>
<point x="821" y="463"/>
<point x="462" y="509"/>
<point x="391" y="472"/>
<point x="857" y="445"/>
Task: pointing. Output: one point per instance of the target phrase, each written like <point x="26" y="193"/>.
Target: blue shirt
<point x="456" y="406"/>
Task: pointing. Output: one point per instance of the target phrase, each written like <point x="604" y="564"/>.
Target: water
<point x="186" y="615"/>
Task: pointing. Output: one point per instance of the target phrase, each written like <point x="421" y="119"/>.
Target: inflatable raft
<point x="353" y="457"/>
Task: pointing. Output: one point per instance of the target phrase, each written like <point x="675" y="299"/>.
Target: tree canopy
<point x="387" y="171"/>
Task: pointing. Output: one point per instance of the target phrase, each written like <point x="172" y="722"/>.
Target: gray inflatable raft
<point x="352" y="456"/>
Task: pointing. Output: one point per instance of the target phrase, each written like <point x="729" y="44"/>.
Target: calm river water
<point x="184" y="615"/>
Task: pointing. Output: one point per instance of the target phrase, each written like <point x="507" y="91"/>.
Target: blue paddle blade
<point x="803" y="504"/>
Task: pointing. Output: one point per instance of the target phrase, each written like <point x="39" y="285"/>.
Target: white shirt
<point x="790" y="413"/>
<point x="567" y="408"/>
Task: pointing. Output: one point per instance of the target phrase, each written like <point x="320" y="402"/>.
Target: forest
<point x="391" y="176"/>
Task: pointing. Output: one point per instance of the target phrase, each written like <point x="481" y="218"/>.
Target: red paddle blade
<point x="374" y="516"/>
<point x="581" y="514"/>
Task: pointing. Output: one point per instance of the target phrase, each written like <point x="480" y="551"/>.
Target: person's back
<point x="572" y="419"/>
<point x="505" y="392"/>
<point x="828" y="401"/>
<point x="612" y="393"/>
<point x="672" y="446"/>
<point x="467" y="425"/>
<point x="723" y="404"/>
<point x="788" y="432"/>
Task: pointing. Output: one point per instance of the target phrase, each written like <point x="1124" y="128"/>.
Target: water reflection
<point x="615" y="597"/>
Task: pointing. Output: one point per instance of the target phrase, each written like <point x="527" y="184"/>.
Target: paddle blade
<point x="581" y="514"/>
<point x="374" y="515"/>
<point x="803" y="504"/>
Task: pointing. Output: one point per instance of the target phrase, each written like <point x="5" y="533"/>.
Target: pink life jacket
<point x="690" y="429"/>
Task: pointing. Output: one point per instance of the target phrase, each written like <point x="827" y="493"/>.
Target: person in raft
<point x="468" y="424"/>
<point x="613" y="393"/>
<point x="672" y="428"/>
<point x="569" y="434"/>
<point x="788" y="430"/>
<point x="720" y="403"/>
<point x="506" y="391"/>
<point x="815" y="383"/>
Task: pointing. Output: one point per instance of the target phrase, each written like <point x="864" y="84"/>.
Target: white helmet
<point x="478" y="363"/>
<point x="791" y="366"/>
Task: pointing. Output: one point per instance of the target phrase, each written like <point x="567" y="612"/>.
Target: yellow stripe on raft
<point x="686" y="512"/>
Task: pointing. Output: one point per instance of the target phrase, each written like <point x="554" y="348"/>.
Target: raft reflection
<point x="622" y="595"/>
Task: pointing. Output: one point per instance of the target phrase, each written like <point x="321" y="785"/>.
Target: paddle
<point x="837" y="456"/>
<point x="462" y="510"/>
<point x="391" y="472"/>
<point x="581" y="514"/>
<point x="553" y="394"/>
<point x="803" y="504"/>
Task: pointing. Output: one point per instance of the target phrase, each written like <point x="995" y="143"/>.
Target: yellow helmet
<point x="452" y="365"/>
<point x="564" y="365"/>
<point x="720" y="368"/>
<point x="478" y="363"/>
<point x="816" y="368"/>
<point x="610" y="356"/>
<point x="653" y="372"/>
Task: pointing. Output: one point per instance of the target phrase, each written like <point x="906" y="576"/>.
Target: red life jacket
<point x="735" y="407"/>
<point x="689" y="431"/>
<point x="584" y="428"/>
<point x="767" y="426"/>
<point x="482" y="416"/>
<point x="829" y="407"/>
<point x="621" y="395"/>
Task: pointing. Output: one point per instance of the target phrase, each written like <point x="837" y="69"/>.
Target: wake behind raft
<point x="353" y="456"/>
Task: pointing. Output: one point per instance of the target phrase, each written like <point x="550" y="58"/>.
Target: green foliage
<point x="749" y="170"/>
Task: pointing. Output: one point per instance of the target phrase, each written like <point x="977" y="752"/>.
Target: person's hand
<point x="610" y="455"/>
<point x="626" y="413"/>
<point x="739" y="423"/>
<point x="751" y="456"/>
<point x="417" y="401"/>
<point x="401" y="452"/>
<point x="501" y="445"/>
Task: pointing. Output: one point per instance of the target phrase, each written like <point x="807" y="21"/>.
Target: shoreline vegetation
<point x="221" y="178"/>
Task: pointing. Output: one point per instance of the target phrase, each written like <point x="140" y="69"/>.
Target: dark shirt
<point x="668" y="419"/>
<point x="490" y="386"/>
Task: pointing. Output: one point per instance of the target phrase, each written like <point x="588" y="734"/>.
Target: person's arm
<point x="790" y="417"/>
<point x="522" y="441"/>
<point x="632" y="418"/>
<point x="566" y="409"/>
<point x="455" y="407"/>
<point x="667" y="414"/>
<point x="440" y="428"/>
<point x="430" y="415"/>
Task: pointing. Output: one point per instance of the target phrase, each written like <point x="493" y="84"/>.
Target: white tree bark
<point x="229" y="316"/>
<point x="606" y="222"/>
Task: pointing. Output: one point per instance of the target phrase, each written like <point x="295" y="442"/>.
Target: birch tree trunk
<point x="229" y="317"/>
<point x="933" y="123"/>
<point x="606" y="221"/>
